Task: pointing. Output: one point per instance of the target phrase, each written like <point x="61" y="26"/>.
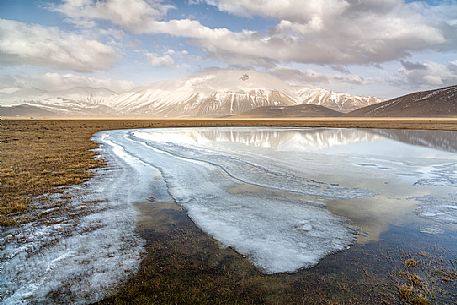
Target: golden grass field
<point x="182" y="264"/>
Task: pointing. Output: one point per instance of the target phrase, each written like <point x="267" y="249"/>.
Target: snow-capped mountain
<point x="342" y="102"/>
<point x="74" y="101"/>
<point x="11" y="96"/>
<point x="209" y="93"/>
<point x="205" y="94"/>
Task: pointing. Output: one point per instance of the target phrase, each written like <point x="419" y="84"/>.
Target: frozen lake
<point x="285" y="198"/>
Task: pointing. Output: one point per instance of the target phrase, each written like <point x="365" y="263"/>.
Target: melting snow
<point x="277" y="234"/>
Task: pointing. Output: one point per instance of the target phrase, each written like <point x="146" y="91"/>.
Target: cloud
<point x="408" y="65"/>
<point x="342" y="69"/>
<point x="132" y="14"/>
<point x="292" y="10"/>
<point x="175" y="58"/>
<point x="23" y="43"/>
<point x="453" y="65"/>
<point x="428" y="74"/>
<point x="57" y="81"/>
<point x="333" y="32"/>
<point x="309" y="76"/>
<point x="160" y="60"/>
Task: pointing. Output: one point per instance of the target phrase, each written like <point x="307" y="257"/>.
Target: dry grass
<point x="426" y="279"/>
<point x="411" y="263"/>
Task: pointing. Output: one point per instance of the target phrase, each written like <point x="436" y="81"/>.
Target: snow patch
<point x="80" y="259"/>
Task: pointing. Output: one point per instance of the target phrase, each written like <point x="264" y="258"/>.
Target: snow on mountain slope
<point x="75" y="101"/>
<point x="15" y="96"/>
<point x="208" y="93"/>
<point x="222" y="92"/>
<point x="342" y="102"/>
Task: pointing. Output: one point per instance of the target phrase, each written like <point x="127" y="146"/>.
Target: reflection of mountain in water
<point x="284" y="139"/>
<point x="442" y="140"/>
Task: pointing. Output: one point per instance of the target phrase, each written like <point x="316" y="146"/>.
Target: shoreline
<point x="432" y="123"/>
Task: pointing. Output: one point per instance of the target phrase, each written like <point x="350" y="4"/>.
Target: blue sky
<point x="372" y="47"/>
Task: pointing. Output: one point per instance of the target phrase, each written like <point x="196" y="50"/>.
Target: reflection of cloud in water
<point x="373" y="215"/>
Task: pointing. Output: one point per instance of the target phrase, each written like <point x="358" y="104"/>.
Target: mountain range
<point x="206" y="94"/>
<point x="222" y="93"/>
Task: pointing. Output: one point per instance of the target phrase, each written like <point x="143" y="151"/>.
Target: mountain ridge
<point x="205" y="94"/>
<point x="429" y="103"/>
<point x="302" y="110"/>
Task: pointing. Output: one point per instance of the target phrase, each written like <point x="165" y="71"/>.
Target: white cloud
<point x="428" y="74"/>
<point x="309" y="76"/>
<point x="160" y="60"/>
<point x="338" y="31"/>
<point x="132" y="14"/>
<point x="57" y="81"/>
<point x="22" y="43"/>
<point x="334" y="32"/>
<point x="293" y="10"/>
<point x="171" y="58"/>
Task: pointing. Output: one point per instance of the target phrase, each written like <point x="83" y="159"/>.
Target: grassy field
<point x="39" y="157"/>
<point x="184" y="265"/>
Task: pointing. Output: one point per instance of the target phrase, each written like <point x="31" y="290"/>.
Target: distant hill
<point x="304" y="110"/>
<point x="25" y="110"/>
<point x="431" y="103"/>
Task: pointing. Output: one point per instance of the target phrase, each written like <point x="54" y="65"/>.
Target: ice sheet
<point x="276" y="233"/>
<point x="439" y="210"/>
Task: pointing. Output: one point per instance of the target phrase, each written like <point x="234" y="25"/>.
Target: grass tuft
<point x="411" y="263"/>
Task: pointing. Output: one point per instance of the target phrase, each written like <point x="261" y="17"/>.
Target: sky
<point x="382" y="48"/>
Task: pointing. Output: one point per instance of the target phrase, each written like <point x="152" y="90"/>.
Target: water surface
<point x="287" y="197"/>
